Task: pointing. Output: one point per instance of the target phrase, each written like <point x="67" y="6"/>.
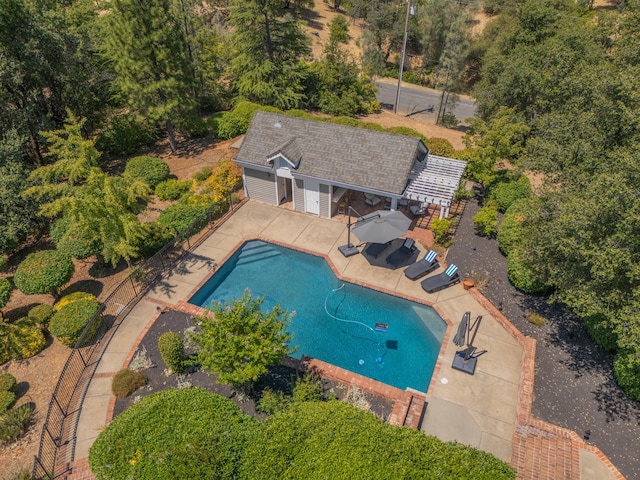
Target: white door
<point x="312" y="197"/>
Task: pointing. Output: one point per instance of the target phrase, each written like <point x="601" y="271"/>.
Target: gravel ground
<point x="574" y="383"/>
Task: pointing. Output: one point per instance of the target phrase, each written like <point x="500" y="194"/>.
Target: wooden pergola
<point x="436" y="182"/>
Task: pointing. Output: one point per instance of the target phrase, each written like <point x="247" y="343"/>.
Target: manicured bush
<point x="7" y="382"/>
<point x="14" y="422"/>
<point x="511" y="230"/>
<point x="68" y="323"/>
<point x="442" y="147"/>
<point x="188" y="433"/>
<point x="7" y="399"/>
<point x="522" y="277"/>
<point x="192" y="126"/>
<point x="410" y="132"/>
<point x="335" y="440"/>
<point x="126" y="381"/>
<point x="40" y="314"/>
<point x="626" y="368"/>
<point x="507" y="192"/>
<point x="26" y="341"/>
<point x="5" y="291"/>
<point x="154" y="236"/>
<point x="237" y="121"/>
<point x="72" y="242"/>
<point x="179" y="216"/>
<point x="602" y="330"/>
<point x="171" y="346"/>
<point x="440" y="228"/>
<point x="43" y="272"/>
<point x="273" y="402"/>
<point x="151" y="170"/>
<point x="486" y="221"/>
<point x="172" y="189"/>
<point x="72" y="297"/>
<point x="126" y="135"/>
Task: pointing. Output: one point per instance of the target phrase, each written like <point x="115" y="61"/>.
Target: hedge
<point x="486" y="221"/>
<point x="626" y="368"/>
<point x="196" y="434"/>
<point x="187" y="433"/>
<point x="505" y="193"/>
<point x="151" y="170"/>
<point x="171" y="346"/>
<point x="442" y="147"/>
<point x="43" y="272"/>
<point x="68" y="323"/>
<point x="522" y="277"/>
<point x="179" y="216"/>
<point x="172" y="189"/>
<point x="511" y="230"/>
<point x="237" y="121"/>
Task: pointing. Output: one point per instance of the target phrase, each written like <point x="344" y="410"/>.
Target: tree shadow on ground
<point x="89" y="286"/>
<point x="101" y="269"/>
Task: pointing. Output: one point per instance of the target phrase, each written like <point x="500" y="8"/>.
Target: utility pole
<point x="404" y="48"/>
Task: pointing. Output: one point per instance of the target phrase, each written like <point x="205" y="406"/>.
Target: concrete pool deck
<point x="486" y="410"/>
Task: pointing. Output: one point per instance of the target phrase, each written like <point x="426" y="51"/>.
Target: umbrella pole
<point x="348" y="250"/>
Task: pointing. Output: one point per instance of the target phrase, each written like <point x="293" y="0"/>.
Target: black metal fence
<point x="57" y="443"/>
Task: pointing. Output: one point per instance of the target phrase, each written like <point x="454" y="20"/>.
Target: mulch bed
<point x="279" y="378"/>
<point x="574" y="384"/>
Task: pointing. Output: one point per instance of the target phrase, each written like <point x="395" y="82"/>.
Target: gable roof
<point x="346" y="155"/>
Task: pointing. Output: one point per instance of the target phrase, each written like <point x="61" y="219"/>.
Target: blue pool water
<point x="334" y="321"/>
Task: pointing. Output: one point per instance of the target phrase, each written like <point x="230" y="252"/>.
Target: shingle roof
<point x="348" y="155"/>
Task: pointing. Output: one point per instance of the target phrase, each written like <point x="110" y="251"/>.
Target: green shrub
<point x="602" y="330"/>
<point x="213" y="122"/>
<point x="126" y="381"/>
<point x="186" y="433"/>
<point x="237" y="121"/>
<point x="463" y="194"/>
<point x="171" y="346"/>
<point x="73" y="242"/>
<point x="303" y="114"/>
<point x="13" y="423"/>
<point x="409" y="132"/>
<point x="154" y="236"/>
<point x="179" y="216"/>
<point x="506" y="193"/>
<point x="202" y="175"/>
<point x="43" y="272"/>
<point x="308" y="388"/>
<point x="412" y="77"/>
<point x="626" y="368"/>
<point x="347" y="121"/>
<point x="374" y="126"/>
<point x="273" y="402"/>
<point x="172" y="189"/>
<point x="7" y="399"/>
<point x="7" y="382"/>
<point x="440" y="228"/>
<point x="3" y="263"/>
<point x="68" y="323"/>
<point x="73" y="297"/>
<point x="40" y="314"/>
<point x="25" y="340"/>
<point x="151" y="170"/>
<point x="126" y="135"/>
<point x="335" y="440"/>
<point x="192" y="126"/>
<point x="441" y="147"/>
<point x="522" y="277"/>
<point x="511" y="230"/>
<point x="5" y="291"/>
<point x="486" y="221"/>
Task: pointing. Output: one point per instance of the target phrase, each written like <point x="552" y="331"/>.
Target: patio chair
<point x="418" y="210"/>
<point x="371" y="199"/>
<point x="419" y="269"/>
<point x="402" y="254"/>
<point x="375" y="249"/>
<point x="443" y="280"/>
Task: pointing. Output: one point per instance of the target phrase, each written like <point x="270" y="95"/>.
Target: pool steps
<point x="261" y="251"/>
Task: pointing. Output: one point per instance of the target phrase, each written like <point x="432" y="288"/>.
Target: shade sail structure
<point x="381" y="226"/>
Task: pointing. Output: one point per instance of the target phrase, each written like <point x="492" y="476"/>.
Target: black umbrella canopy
<point x="381" y="226"/>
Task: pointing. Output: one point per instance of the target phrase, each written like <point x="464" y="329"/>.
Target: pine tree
<point x="145" y="43"/>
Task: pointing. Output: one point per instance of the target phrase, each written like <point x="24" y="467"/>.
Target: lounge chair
<point x="419" y="269"/>
<point x="402" y="254"/>
<point x="375" y="249"/>
<point x="443" y="280"/>
<point x="371" y="199"/>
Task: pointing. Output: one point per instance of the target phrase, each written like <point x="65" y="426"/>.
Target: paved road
<point x="419" y="102"/>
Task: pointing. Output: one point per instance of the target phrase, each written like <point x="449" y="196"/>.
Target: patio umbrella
<point x="381" y="226"/>
<point x="461" y="335"/>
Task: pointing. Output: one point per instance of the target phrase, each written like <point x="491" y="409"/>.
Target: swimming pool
<point x="335" y="321"/>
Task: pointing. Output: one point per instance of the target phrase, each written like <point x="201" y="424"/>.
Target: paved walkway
<point x="484" y="410"/>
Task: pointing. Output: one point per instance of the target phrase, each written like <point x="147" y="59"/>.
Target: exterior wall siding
<point x="260" y="186"/>
<point x="298" y="195"/>
<point x="325" y="201"/>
